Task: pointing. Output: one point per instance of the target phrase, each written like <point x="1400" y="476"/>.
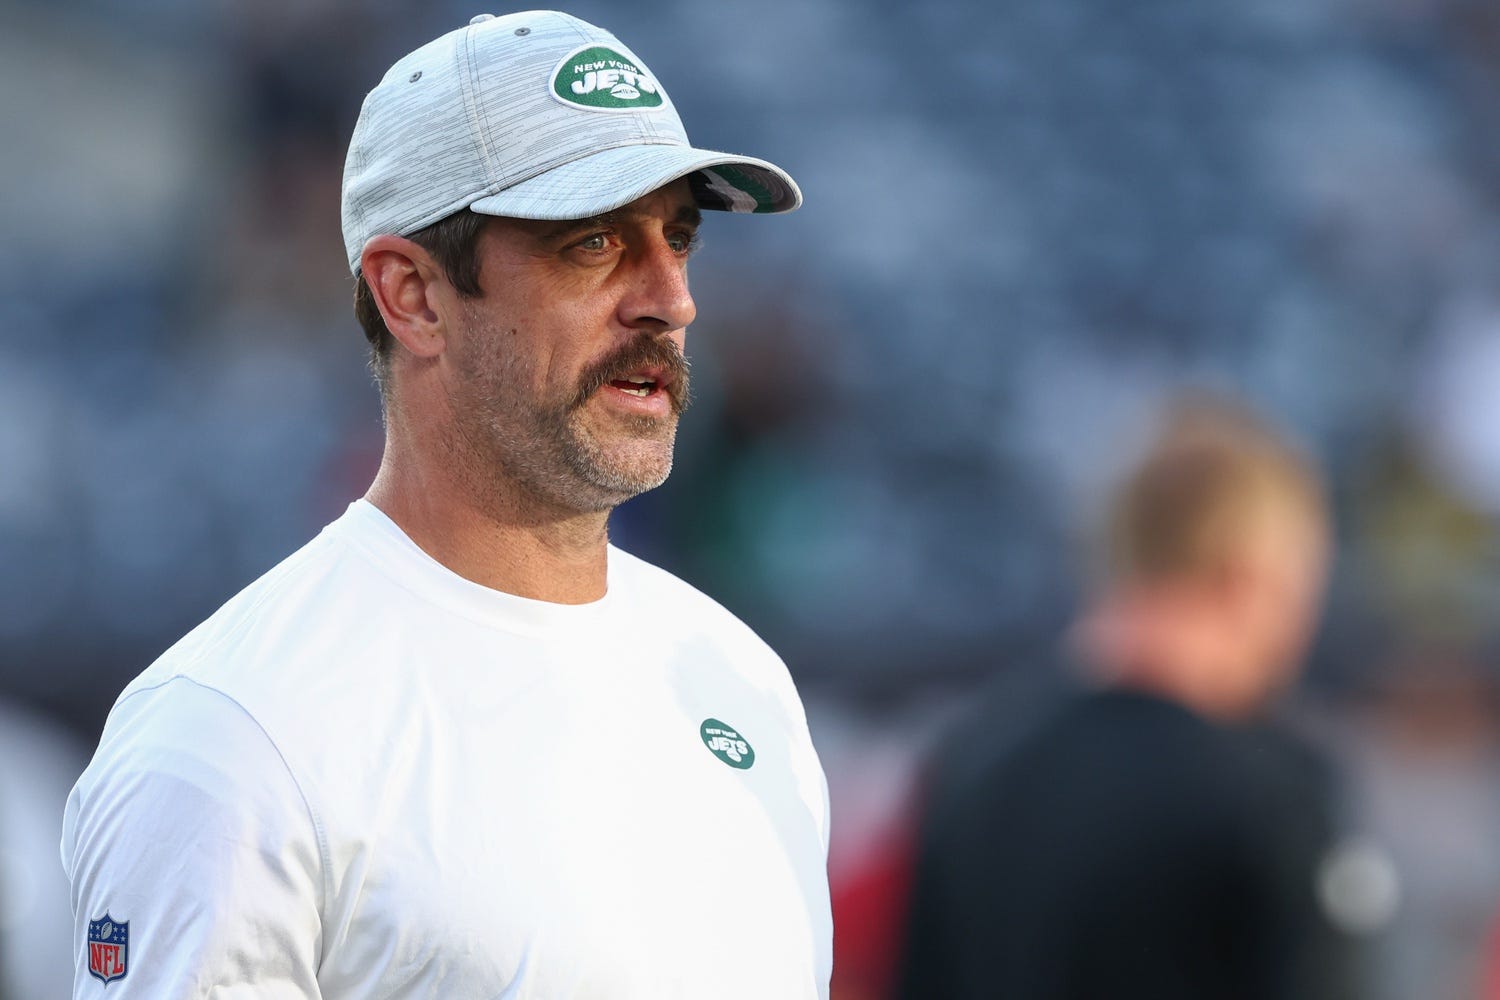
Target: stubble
<point x="563" y="453"/>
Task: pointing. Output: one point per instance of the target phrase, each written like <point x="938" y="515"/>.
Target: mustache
<point x="644" y="352"/>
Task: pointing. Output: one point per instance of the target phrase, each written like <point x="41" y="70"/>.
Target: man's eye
<point x="683" y="242"/>
<point x="598" y="241"/>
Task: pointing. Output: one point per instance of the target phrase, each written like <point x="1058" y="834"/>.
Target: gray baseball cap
<point x="536" y="115"/>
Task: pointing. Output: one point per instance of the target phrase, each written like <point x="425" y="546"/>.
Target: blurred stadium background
<point x="1026" y="224"/>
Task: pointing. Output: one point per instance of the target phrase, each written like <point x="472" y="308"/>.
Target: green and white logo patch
<point x="727" y="744"/>
<point x="600" y="79"/>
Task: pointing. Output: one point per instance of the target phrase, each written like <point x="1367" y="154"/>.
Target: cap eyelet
<point x="415" y="77"/>
<point x="523" y="31"/>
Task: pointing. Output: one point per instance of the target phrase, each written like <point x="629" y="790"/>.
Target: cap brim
<point x="614" y="177"/>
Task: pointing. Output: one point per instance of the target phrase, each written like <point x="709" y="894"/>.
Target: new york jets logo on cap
<point x="599" y="78"/>
<point x="727" y="744"/>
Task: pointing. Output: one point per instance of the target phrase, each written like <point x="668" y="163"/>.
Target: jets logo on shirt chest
<point x="727" y="744"/>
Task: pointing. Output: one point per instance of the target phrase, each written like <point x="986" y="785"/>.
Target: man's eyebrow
<point x="687" y="215"/>
<point x="553" y="230"/>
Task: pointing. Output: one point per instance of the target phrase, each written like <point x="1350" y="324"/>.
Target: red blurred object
<point x="869" y="914"/>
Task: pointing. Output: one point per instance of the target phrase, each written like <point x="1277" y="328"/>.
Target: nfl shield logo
<point x="109" y="948"/>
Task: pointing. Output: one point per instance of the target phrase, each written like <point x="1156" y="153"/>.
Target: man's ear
<point x="404" y="281"/>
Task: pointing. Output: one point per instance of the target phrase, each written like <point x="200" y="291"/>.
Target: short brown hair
<point x="454" y="243"/>
<point x="1215" y="467"/>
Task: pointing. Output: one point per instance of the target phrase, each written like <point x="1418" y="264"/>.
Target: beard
<point x="560" y="451"/>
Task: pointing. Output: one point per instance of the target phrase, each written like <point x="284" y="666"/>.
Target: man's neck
<point x="1159" y="644"/>
<point x="503" y="540"/>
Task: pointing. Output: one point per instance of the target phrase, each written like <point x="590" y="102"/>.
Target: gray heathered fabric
<point x="470" y="119"/>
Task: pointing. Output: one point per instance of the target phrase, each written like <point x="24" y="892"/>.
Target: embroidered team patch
<point x="109" y="948"/>
<point x="599" y="78"/>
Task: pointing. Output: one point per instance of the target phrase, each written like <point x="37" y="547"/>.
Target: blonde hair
<point x="1213" y="471"/>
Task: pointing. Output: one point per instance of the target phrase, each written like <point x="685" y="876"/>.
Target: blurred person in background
<point x="1135" y="828"/>
<point x="459" y="745"/>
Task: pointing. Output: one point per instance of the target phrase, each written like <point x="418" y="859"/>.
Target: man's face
<point x="1282" y="561"/>
<point x="567" y="374"/>
<point x="1294" y="551"/>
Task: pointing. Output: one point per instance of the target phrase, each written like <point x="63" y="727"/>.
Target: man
<point x="459" y="745"/>
<point x="1143" y="833"/>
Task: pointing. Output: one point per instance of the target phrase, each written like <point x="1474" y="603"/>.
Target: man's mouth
<point x="645" y="370"/>
<point x="635" y="385"/>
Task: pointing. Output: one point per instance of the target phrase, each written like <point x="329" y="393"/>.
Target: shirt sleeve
<point x="193" y="857"/>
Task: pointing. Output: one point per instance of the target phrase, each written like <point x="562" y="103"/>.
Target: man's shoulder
<point x="649" y="586"/>
<point x="701" y="628"/>
<point x="1044" y="727"/>
<point x="236" y="684"/>
<point x="249" y="634"/>
<point x="1011" y="711"/>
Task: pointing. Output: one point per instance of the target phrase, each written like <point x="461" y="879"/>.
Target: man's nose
<point x="658" y="299"/>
